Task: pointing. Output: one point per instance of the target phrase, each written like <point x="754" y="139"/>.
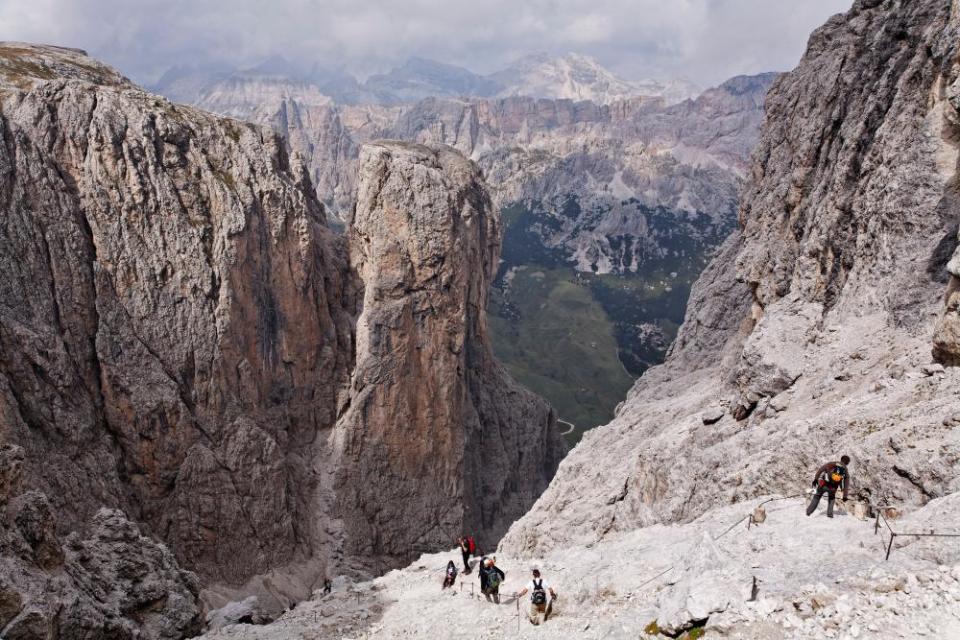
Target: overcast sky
<point x="704" y="40"/>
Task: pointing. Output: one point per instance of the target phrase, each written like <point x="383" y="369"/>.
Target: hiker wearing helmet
<point x="829" y="478"/>
<point x="490" y="579"/>
<point x="540" y="601"/>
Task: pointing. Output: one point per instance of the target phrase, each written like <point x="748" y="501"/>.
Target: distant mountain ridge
<point x="578" y="77"/>
<point x="571" y="76"/>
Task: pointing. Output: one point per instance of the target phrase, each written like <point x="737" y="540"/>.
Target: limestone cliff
<point x="810" y="334"/>
<point x="428" y="404"/>
<point x="178" y="335"/>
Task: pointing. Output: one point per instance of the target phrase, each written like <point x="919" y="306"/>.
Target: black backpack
<point x="539" y="595"/>
<point x="493" y="579"/>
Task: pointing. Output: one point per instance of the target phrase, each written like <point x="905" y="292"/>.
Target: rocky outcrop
<point x="178" y="339"/>
<point x="111" y="582"/>
<point x="637" y="188"/>
<point x="428" y="405"/>
<point x="812" y="329"/>
<point x="946" y="337"/>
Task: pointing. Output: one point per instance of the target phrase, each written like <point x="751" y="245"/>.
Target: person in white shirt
<point x="542" y="597"/>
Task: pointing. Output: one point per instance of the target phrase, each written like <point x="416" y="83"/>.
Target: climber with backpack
<point x="829" y="478"/>
<point x="491" y="577"/>
<point x="542" y="597"/>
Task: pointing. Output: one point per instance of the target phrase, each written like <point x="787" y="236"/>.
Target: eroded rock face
<point x="848" y="199"/>
<point x="428" y="404"/>
<point x="946" y="336"/>
<point x="110" y="582"/>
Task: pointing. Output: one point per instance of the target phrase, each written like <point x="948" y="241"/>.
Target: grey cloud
<point x="704" y="40"/>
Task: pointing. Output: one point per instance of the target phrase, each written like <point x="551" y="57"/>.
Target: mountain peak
<point x="577" y="76"/>
<point x="24" y="65"/>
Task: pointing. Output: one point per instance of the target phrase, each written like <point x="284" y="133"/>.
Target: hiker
<point x="829" y="478"/>
<point x="467" y="548"/>
<point x="491" y="577"/>
<point x="540" y="601"/>
<point x="327" y="586"/>
<point x="451" y="578"/>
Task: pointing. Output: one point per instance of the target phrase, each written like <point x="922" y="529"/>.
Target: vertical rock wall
<point x="432" y="418"/>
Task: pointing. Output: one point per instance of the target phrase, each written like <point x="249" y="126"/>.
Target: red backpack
<point x="471" y="545"/>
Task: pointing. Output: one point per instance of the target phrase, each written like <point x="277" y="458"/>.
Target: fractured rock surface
<point x="174" y="324"/>
<point x="110" y="582"/>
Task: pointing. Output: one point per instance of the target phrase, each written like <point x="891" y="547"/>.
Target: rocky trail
<point x="790" y="575"/>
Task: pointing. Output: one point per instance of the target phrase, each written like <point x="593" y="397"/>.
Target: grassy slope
<point x="560" y="343"/>
<point x="575" y="339"/>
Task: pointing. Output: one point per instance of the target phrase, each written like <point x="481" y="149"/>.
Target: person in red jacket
<point x="829" y="478"/>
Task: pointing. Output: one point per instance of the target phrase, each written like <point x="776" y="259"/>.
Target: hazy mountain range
<point x="572" y="76"/>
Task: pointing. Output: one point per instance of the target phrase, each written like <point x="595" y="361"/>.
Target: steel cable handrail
<point x="893" y="534"/>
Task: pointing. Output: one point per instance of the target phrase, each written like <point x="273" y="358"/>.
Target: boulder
<point x="712" y="415"/>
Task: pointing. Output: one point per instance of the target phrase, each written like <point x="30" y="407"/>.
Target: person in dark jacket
<point x="491" y="577"/>
<point x="450" y="578"/>
<point x="829" y="478"/>
<point x="464" y="545"/>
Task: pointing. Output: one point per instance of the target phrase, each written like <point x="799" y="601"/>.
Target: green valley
<point x="580" y="338"/>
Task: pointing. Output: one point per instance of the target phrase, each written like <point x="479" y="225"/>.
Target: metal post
<point x="749" y="521"/>
<point x="518" y="614"/>
<point x="890" y="546"/>
<point x="876" y="527"/>
<point x="358" y="598"/>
